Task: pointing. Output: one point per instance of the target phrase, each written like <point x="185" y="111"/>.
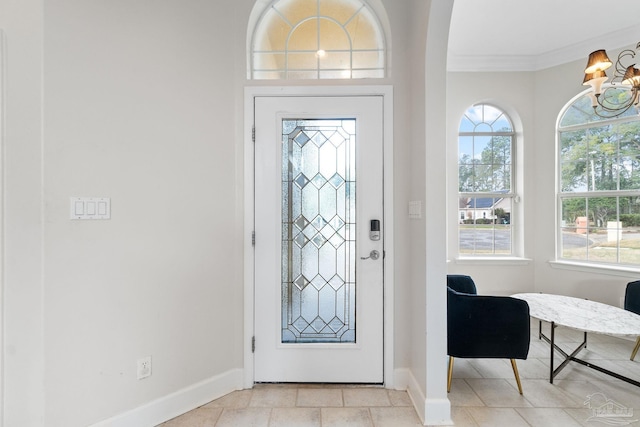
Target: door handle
<point x="374" y="255"/>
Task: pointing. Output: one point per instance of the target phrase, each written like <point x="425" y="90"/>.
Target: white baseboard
<point x="416" y="394"/>
<point x="432" y="412"/>
<point x="401" y="378"/>
<point x="438" y="412"/>
<point x="177" y="403"/>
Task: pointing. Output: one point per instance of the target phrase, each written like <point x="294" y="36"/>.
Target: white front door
<point x="318" y="281"/>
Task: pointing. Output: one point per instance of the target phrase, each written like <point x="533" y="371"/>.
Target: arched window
<point x="598" y="186"/>
<point x="317" y="39"/>
<point x="486" y="182"/>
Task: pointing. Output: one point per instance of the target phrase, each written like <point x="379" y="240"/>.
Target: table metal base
<point x="572" y="357"/>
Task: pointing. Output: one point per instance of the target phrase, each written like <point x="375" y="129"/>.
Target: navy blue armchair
<point x="481" y="326"/>
<point x="632" y="303"/>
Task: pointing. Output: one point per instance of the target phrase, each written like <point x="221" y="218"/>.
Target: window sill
<point x="611" y="270"/>
<point x="492" y="261"/>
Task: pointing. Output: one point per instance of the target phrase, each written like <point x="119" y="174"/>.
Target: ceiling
<point x="518" y="35"/>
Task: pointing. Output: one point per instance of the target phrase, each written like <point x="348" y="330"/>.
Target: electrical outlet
<point x="144" y="367"/>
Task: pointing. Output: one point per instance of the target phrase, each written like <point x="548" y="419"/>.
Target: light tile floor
<point x="483" y="393"/>
<point x="300" y="405"/>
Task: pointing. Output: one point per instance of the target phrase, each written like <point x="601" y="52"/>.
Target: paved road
<point x="573" y="240"/>
<point x="484" y="238"/>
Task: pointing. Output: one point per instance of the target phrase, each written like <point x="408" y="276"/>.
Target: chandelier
<point x="622" y="93"/>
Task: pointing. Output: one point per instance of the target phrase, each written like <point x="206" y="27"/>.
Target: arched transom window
<point x="317" y="39"/>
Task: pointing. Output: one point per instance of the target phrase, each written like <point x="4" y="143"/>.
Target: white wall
<point x="515" y="94"/>
<point x="137" y="107"/>
<point x="437" y="406"/>
<point x="141" y="101"/>
<point x="419" y="32"/>
<point x="398" y="13"/>
<point x="22" y="264"/>
<point x="417" y="186"/>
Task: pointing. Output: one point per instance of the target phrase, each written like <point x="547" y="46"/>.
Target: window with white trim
<point x="486" y="149"/>
<point x="318" y="39"/>
<point x="598" y="186"/>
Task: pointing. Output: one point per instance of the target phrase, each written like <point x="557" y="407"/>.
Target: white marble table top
<point x="582" y="314"/>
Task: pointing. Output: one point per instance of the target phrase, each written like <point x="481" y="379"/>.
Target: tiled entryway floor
<point x="299" y="405"/>
<point x="484" y="393"/>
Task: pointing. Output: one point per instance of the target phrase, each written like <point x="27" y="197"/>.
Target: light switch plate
<point x="90" y="208"/>
<point x="415" y="209"/>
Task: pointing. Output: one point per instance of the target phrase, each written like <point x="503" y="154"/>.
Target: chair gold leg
<point x="515" y="372"/>
<point x="449" y="374"/>
<point x="635" y="349"/>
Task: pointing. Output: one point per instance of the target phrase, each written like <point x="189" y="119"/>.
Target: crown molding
<point x="626" y="37"/>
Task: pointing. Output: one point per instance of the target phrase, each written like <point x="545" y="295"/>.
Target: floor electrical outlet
<point x="144" y="367"/>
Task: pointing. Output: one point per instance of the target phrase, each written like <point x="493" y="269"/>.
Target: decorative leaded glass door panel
<point x="318" y="292"/>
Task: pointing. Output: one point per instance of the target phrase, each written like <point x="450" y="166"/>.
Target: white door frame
<point x="249" y="210"/>
<point x="3" y="73"/>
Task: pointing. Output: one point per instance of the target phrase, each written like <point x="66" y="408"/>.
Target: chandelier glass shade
<point x="622" y="93"/>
